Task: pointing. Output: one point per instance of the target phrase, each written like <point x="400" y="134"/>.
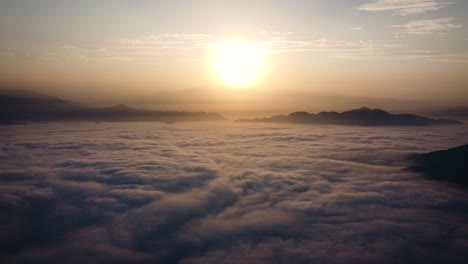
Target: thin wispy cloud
<point x="168" y="40"/>
<point x="292" y="44"/>
<point x="395" y="54"/>
<point x="84" y="48"/>
<point x="184" y="45"/>
<point x="427" y="27"/>
<point x="405" y="7"/>
<point x="365" y="50"/>
<point x="155" y="49"/>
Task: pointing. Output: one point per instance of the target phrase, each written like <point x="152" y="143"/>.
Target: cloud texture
<point x="225" y="193"/>
<point x="427" y="27"/>
<point x="405" y="7"/>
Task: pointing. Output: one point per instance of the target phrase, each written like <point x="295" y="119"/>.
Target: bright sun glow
<point x="238" y="63"/>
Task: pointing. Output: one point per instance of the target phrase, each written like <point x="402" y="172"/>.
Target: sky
<point x="110" y="50"/>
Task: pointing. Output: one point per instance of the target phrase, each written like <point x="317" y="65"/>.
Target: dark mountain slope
<point x="445" y="165"/>
<point x="24" y="106"/>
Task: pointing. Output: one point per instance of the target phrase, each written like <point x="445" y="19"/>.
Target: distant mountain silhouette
<point x="363" y="117"/>
<point x="445" y="165"/>
<point x="454" y="112"/>
<point x="23" y="106"/>
<point x="23" y="93"/>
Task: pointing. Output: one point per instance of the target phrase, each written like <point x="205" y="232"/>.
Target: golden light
<point x="238" y="63"/>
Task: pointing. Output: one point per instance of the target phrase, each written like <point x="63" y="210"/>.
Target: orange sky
<point x="106" y="50"/>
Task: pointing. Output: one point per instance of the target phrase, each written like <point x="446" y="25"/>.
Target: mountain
<point x="25" y="106"/>
<point x="23" y="93"/>
<point x="445" y="165"/>
<point x="22" y="105"/>
<point x="363" y="117"/>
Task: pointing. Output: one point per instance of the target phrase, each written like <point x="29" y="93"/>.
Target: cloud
<point x="282" y="45"/>
<point x="151" y="49"/>
<point x="393" y="53"/>
<point x="234" y="193"/>
<point x="189" y="48"/>
<point x="404" y="7"/>
<point x="271" y="41"/>
<point x="168" y="40"/>
<point x="427" y="27"/>
<point x="83" y="48"/>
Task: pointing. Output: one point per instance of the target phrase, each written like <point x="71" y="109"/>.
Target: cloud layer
<point x="230" y="193"/>
<point x="427" y="27"/>
<point x="405" y="7"/>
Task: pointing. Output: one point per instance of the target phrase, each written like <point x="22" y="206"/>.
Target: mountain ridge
<point x="18" y="106"/>
<point x="362" y="116"/>
<point x="444" y="165"/>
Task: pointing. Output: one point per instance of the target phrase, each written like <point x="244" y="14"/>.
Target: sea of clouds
<point x="226" y="193"/>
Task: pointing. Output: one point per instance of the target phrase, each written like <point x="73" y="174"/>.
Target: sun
<point x="237" y="63"/>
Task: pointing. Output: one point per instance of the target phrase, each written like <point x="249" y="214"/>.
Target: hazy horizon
<point x="234" y="104"/>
